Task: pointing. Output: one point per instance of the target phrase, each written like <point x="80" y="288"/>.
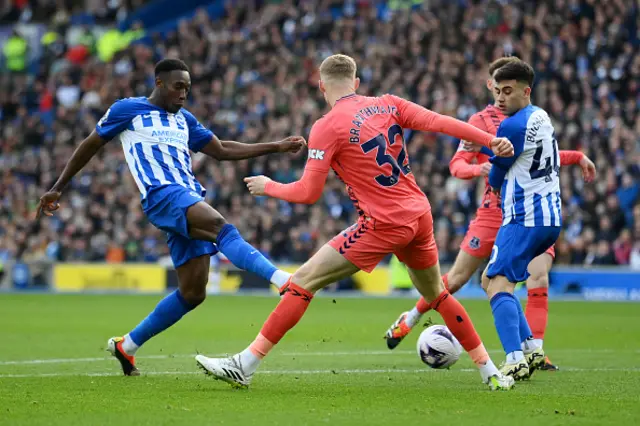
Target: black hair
<point x="519" y="71"/>
<point x="168" y="65"/>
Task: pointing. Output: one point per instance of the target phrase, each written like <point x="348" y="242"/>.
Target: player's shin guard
<point x="166" y="313"/>
<point x="422" y="305"/>
<point x="242" y="254"/>
<point x="285" y="316"/>
<point x="507" y="322"/>
<point x="523" y="324"/>
<point x="537" y="311"/>
<point x="458" y="321"/>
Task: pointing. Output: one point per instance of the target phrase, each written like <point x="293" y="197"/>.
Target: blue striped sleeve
<point x="514" y="129"/>
<point x="115" y="120"/>
<point x="199" y="135"/>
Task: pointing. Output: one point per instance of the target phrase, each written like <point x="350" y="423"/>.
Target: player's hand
<point x="588" y="169"/>
<point x="48" y="204"/>
<point x="502" y="147"/>
<point x="485" y="168"/>
<point x="256" y="184"/>
<point x="292" y="144"/>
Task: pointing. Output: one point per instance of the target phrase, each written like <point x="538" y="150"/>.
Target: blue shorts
<point x="166" y="208"/>
<point x="516" y="246"/>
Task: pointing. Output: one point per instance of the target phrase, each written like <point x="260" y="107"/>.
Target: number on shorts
<point x="494" y="254"/>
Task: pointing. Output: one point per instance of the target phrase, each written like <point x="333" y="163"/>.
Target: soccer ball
<point x="438" y="348"/>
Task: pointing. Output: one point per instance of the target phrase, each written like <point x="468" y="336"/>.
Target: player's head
<point x="512" y="88"/>
<point x="338" y="77"/>
<point x="173" y="83"/>
<point x="493" y="67"/>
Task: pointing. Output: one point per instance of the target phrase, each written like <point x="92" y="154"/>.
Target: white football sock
<point x="412" y="318"/>
<point x="248" y="361"/>
<point x="487" y="370"/>
<point x="129" y="345"/>
<point x="531" y="345"/>
<point x="516" y="356"/>
<point x="280" y="278"/>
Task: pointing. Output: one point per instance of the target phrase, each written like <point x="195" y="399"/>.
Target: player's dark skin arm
<point x="80" y="157"/>
<point x="231" y="150"/>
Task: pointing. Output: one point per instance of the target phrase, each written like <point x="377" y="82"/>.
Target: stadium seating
<point x="254" y="79"/>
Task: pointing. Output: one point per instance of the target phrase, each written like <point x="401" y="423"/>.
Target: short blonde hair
<point x="338" y="67"/>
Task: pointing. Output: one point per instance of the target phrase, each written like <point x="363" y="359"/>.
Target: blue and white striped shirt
<point x="529" y="181"/>
<point x="156" y="143"/>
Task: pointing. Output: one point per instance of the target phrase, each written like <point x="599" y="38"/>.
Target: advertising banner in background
<point x="578" y="283"/>
<point x="144" y="278"/>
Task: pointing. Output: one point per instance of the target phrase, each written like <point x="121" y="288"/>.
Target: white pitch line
<point x="108" y="358"/>
<point x="329" y="354"/>
<point x="298" y="372"/>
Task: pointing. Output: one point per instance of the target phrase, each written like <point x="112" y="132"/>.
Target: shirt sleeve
<point x="307" y="190"/>
<point x="568" y="158"/>
<point x="516" y="134"/>
<point x="117" y="118"/>
<point x="461" y="165"/>
<point x="323" y="146"/>
<point x="414" y="116"/>
<point x="199" y="135"/>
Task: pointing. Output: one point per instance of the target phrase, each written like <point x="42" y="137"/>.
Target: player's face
<point x="511" y="96"/>
<point x="175" y="89"/>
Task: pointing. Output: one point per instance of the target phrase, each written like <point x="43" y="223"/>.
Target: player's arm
<point x="462" y="164"/>
<point x="232" y="150"/>
<point x="501" y="165"/>
<point x="307" y="190"/>
<point x="416" y="117"/>
<point x="203" y="140"/>
<point x="568" y="158"/>
<point x="110" y="125"/>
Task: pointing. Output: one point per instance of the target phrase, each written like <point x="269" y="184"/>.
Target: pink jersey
<point x="361" y="139"/>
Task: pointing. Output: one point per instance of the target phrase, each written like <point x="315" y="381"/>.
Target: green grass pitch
<point x="334" y="368"/>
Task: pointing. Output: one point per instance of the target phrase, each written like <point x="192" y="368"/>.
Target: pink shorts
<point x="365" y="245"/>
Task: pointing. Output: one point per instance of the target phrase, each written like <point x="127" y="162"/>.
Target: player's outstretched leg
<point x="324" y="268"/>
<point x="428" y="282"/>
<point x="205" y="223"/>
<point x="537" y="308"/>
<point x="461" y="271"/>
<point x="192" y="278"/>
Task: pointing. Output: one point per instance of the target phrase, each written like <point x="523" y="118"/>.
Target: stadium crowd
<point x="254" y="79"/>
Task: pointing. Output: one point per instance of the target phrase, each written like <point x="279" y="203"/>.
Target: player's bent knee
<point x="499" y="284"/>
<point x="194" y="296"/>
<point x="538" y="281"/>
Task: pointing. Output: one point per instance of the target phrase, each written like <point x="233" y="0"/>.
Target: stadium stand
<point x="254" y="79"/>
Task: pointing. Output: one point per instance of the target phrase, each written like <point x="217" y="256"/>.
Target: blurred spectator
<point x="254" y="76"/>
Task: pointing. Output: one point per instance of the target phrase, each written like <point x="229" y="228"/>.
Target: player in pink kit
<point x="361" y="139"/>
<point x="468" y="163"/>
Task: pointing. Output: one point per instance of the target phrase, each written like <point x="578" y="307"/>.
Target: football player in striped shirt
<point x="157" y="134"/>
<point x="470" y="162"/>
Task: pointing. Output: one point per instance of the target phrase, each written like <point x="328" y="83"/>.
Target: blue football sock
<point x="242" y="254"/>
<point x="167" y="312"/>
<point x="505" y="317"/>
<point x="525" y="330"/>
